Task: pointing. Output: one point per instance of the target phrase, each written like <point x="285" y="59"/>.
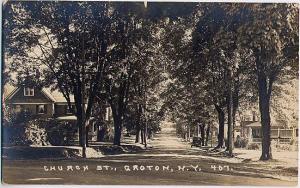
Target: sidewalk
<point x="284" y="164"/>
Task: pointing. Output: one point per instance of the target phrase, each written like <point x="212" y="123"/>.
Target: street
<point x="168" y="161"/>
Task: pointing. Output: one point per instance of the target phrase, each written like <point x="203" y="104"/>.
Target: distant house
<point x="279" y="132"/>
<point x="249" y="127"/>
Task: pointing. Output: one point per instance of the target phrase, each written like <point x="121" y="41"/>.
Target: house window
<point x="41" y="109"/>
<point x="28" y="91"/>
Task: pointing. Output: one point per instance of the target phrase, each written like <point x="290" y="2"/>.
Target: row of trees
<point x="124" y="54"/>
<point x="228" y="54"/>
<point x="90" y="50"/>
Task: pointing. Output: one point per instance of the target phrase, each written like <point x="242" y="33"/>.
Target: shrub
<point x="60" y="132"/>
<point x="14" y="135"/>
<point x="27" y="133"/>
<point x="39" y="132"/>
<point x="35" y="133"/>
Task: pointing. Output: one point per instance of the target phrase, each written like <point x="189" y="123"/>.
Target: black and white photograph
<point x="149" y="93"/>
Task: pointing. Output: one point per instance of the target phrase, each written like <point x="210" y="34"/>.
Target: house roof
<point x="9" y="90"/>
<point x="57" y="95"/>
<point x="54" y="95"/>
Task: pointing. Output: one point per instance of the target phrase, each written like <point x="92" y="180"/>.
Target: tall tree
<point x="272" y="34"/>
<point x="71" y="43"/>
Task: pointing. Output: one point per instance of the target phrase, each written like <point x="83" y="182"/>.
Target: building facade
<point x="43" y="103"/>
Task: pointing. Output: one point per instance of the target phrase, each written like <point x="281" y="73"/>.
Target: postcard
<point x="150" y="93"/>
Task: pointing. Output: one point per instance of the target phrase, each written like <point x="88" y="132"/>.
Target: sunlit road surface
<point x="169" y="162"/>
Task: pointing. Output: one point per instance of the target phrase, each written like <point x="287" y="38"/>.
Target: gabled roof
<point x="58" y="96"/>
<point x="9" y="91"/>
<point x="53" y="95"/>
<point x="48" y="95"/>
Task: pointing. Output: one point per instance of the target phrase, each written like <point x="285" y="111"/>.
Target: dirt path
<point x="167" y="139"/>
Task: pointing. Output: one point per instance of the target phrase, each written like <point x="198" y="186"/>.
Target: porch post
<point x="293" y="136"/>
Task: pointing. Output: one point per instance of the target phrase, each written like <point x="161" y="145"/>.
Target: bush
<point x="14" y="127"/>
<point x="253" y="146"/>
<point x="14" y="135"/>
<point x="39" y="132"/>
<point x="60" y="132"/>
<point x="35" y="134"/>
<point x="240" y="142"/>
<point x="27" y="133"/>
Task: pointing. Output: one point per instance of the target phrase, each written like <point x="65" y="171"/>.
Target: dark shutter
<point x="37" y="109"/>
<point x="45" y="108"/>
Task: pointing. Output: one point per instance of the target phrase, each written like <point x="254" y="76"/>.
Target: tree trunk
<point x="142" y="136"/>
<point x="235" y="99"/>
<point x="189" y="133"/>
<point x="84" y="143"/>
<point x="137" y="135"/>
<point x="202" y="132"/>
<point x="264" y="108"/>
<point x="87" y="134"/>
<point x="207" y="135"/>
<point x="118" y="130"/>
<point x="138" y="123"/>
<point x="221" y="118"/>
<point x="229" y="123"/>
<point x="79" y="125"/>
<point x="117" y="118"/>
<point x="233" y="122"/>
<point x="145" y="137"/>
